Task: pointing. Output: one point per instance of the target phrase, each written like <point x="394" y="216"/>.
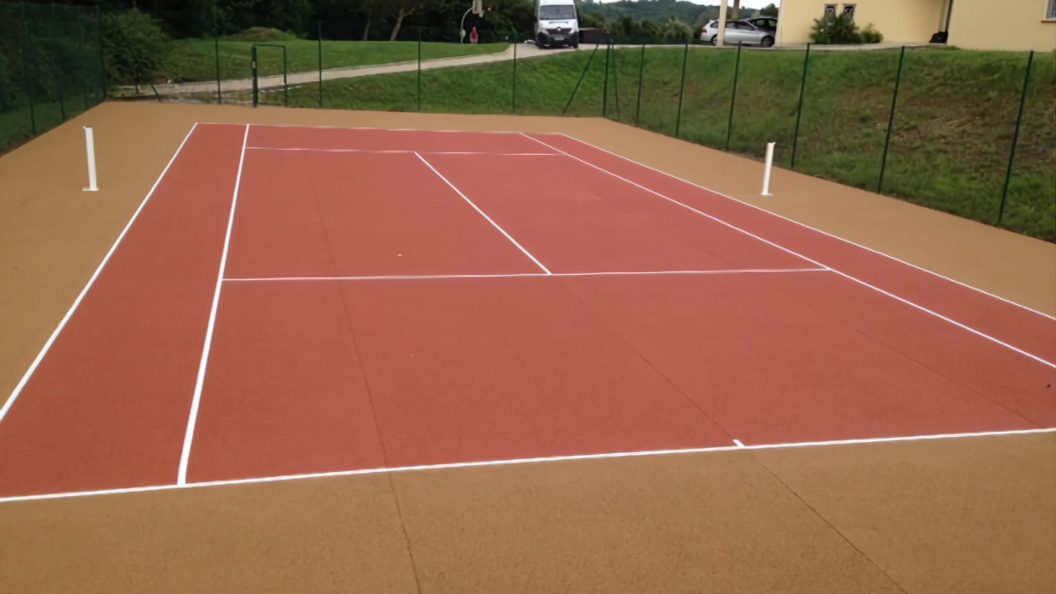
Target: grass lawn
<point x="195" y="59"/>
<point x="949" y="147"/>
<point x="16" y="125"/>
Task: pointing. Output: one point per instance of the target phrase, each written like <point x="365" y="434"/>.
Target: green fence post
<point x="799" y="108"/>
<point x="253" y="69"/>
<point x="616" y="81"/>
<point x="579" y="82"/>
<point x="25" y="69"/>
<point x="285" y="70"/>
<point x="641" y="73"/>
<point x="891" y="120"/>
<point x="605" y="84"/>
<point x="83" y="82"/>
<point x="513" y="100"/>
<point x="319" y="37"/>
<point x="733" y="94"/>
<point x="62" y="96"/>
<point x="62" y="78"/>
<point x="216" y="54"/>
<point x="419" y="69"/>
<point x="102" y="56"/>
<point x="1015" y="139"/>
<point x="681" y="90"/>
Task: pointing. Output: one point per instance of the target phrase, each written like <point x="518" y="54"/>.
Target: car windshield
<point x="559" y="12"/>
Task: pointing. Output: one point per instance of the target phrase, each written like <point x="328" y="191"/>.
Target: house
<point x="1017" y="25"/>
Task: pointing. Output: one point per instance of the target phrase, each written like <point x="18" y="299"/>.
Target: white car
<point x="737" y="32"/>
<point x="556" y="24"/>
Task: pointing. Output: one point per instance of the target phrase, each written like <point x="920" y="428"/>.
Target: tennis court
<point x="293" y="302"/>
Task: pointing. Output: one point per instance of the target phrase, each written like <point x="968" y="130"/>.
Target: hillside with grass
<point x="949" y="147"/>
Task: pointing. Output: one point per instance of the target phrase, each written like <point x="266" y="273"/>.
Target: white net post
<point x="768" y="169"/>
<point x="89" y="145"/>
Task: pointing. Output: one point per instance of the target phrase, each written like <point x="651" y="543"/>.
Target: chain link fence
<point x="970" y="133"/>
<point x="51" y="67"/>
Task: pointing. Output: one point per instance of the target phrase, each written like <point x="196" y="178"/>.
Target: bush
<point x="261" y="34"/>
<point x="839" y="29"/>
<point x="870" y="35"/>
<point x="7" y="84"/>
<point x="675" y="30"/>
<point x="135" y="46"/>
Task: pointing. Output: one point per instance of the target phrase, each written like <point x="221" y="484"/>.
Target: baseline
<point x="742" y="447"/>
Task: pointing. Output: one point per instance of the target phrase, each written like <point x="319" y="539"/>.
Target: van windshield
<point x="557" y="12"/>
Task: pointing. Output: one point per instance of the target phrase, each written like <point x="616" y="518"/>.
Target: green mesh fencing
<point x="1031" y="205"/>
<point x="50" y="67"/>
<point x="945" y="142"/>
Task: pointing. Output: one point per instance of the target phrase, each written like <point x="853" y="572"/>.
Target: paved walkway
<point x="524" y="51"/>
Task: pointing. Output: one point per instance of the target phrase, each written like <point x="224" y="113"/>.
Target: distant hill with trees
<point x="401" y="19"/>
<point x="671" y="20"/>
<point x="658" y="11"/>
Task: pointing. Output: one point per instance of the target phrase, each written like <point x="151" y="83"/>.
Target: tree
<point x="675" y="30"/>
<point x="769" y="10"/>
<point x="134" y="45"/>
<point x="370" y="9"/>
<point x="839" y="29"/>
<point x="404" y="9"/>
<point x="649" y="30"/>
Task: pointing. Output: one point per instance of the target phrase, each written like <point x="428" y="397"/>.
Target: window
<point x="1050" y="14"/>
<point x="557" y="12"/>
<point x="830" y="11"/>
<point x="848" y="11"/>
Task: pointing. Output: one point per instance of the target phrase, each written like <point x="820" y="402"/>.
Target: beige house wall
<point x="900" y="21"/>
<point x="1018" y="25"/>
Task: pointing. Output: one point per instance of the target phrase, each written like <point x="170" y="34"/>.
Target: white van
<point x="556" y="23"/>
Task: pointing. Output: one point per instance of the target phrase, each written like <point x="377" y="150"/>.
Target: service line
<point x="805" y="258"/>
<point x="806" y="226"/>
<point x="399" y="151"/>
<point x="405" y="277"/>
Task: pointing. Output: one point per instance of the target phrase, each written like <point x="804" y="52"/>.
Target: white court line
<point x="403" y="277"/>
<point x="397" y="151"/>
<point x="806" y="226"/>
<point x="324" y="127"/>
<point x="91" y="281"/>
<point x="738" y="443"/>
<point x="199" y="384"/>
<point x="482" y="213"/>
<point x="739" y="446"/>
<point x="903" y="300"/>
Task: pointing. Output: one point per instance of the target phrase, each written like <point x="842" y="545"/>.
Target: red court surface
<point x="300" y="301"/>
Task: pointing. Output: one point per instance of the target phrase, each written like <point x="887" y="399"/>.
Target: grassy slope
<point x="949" y="149"/>
<point x="194" y="59"/>
<point x="16" y="125"/>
